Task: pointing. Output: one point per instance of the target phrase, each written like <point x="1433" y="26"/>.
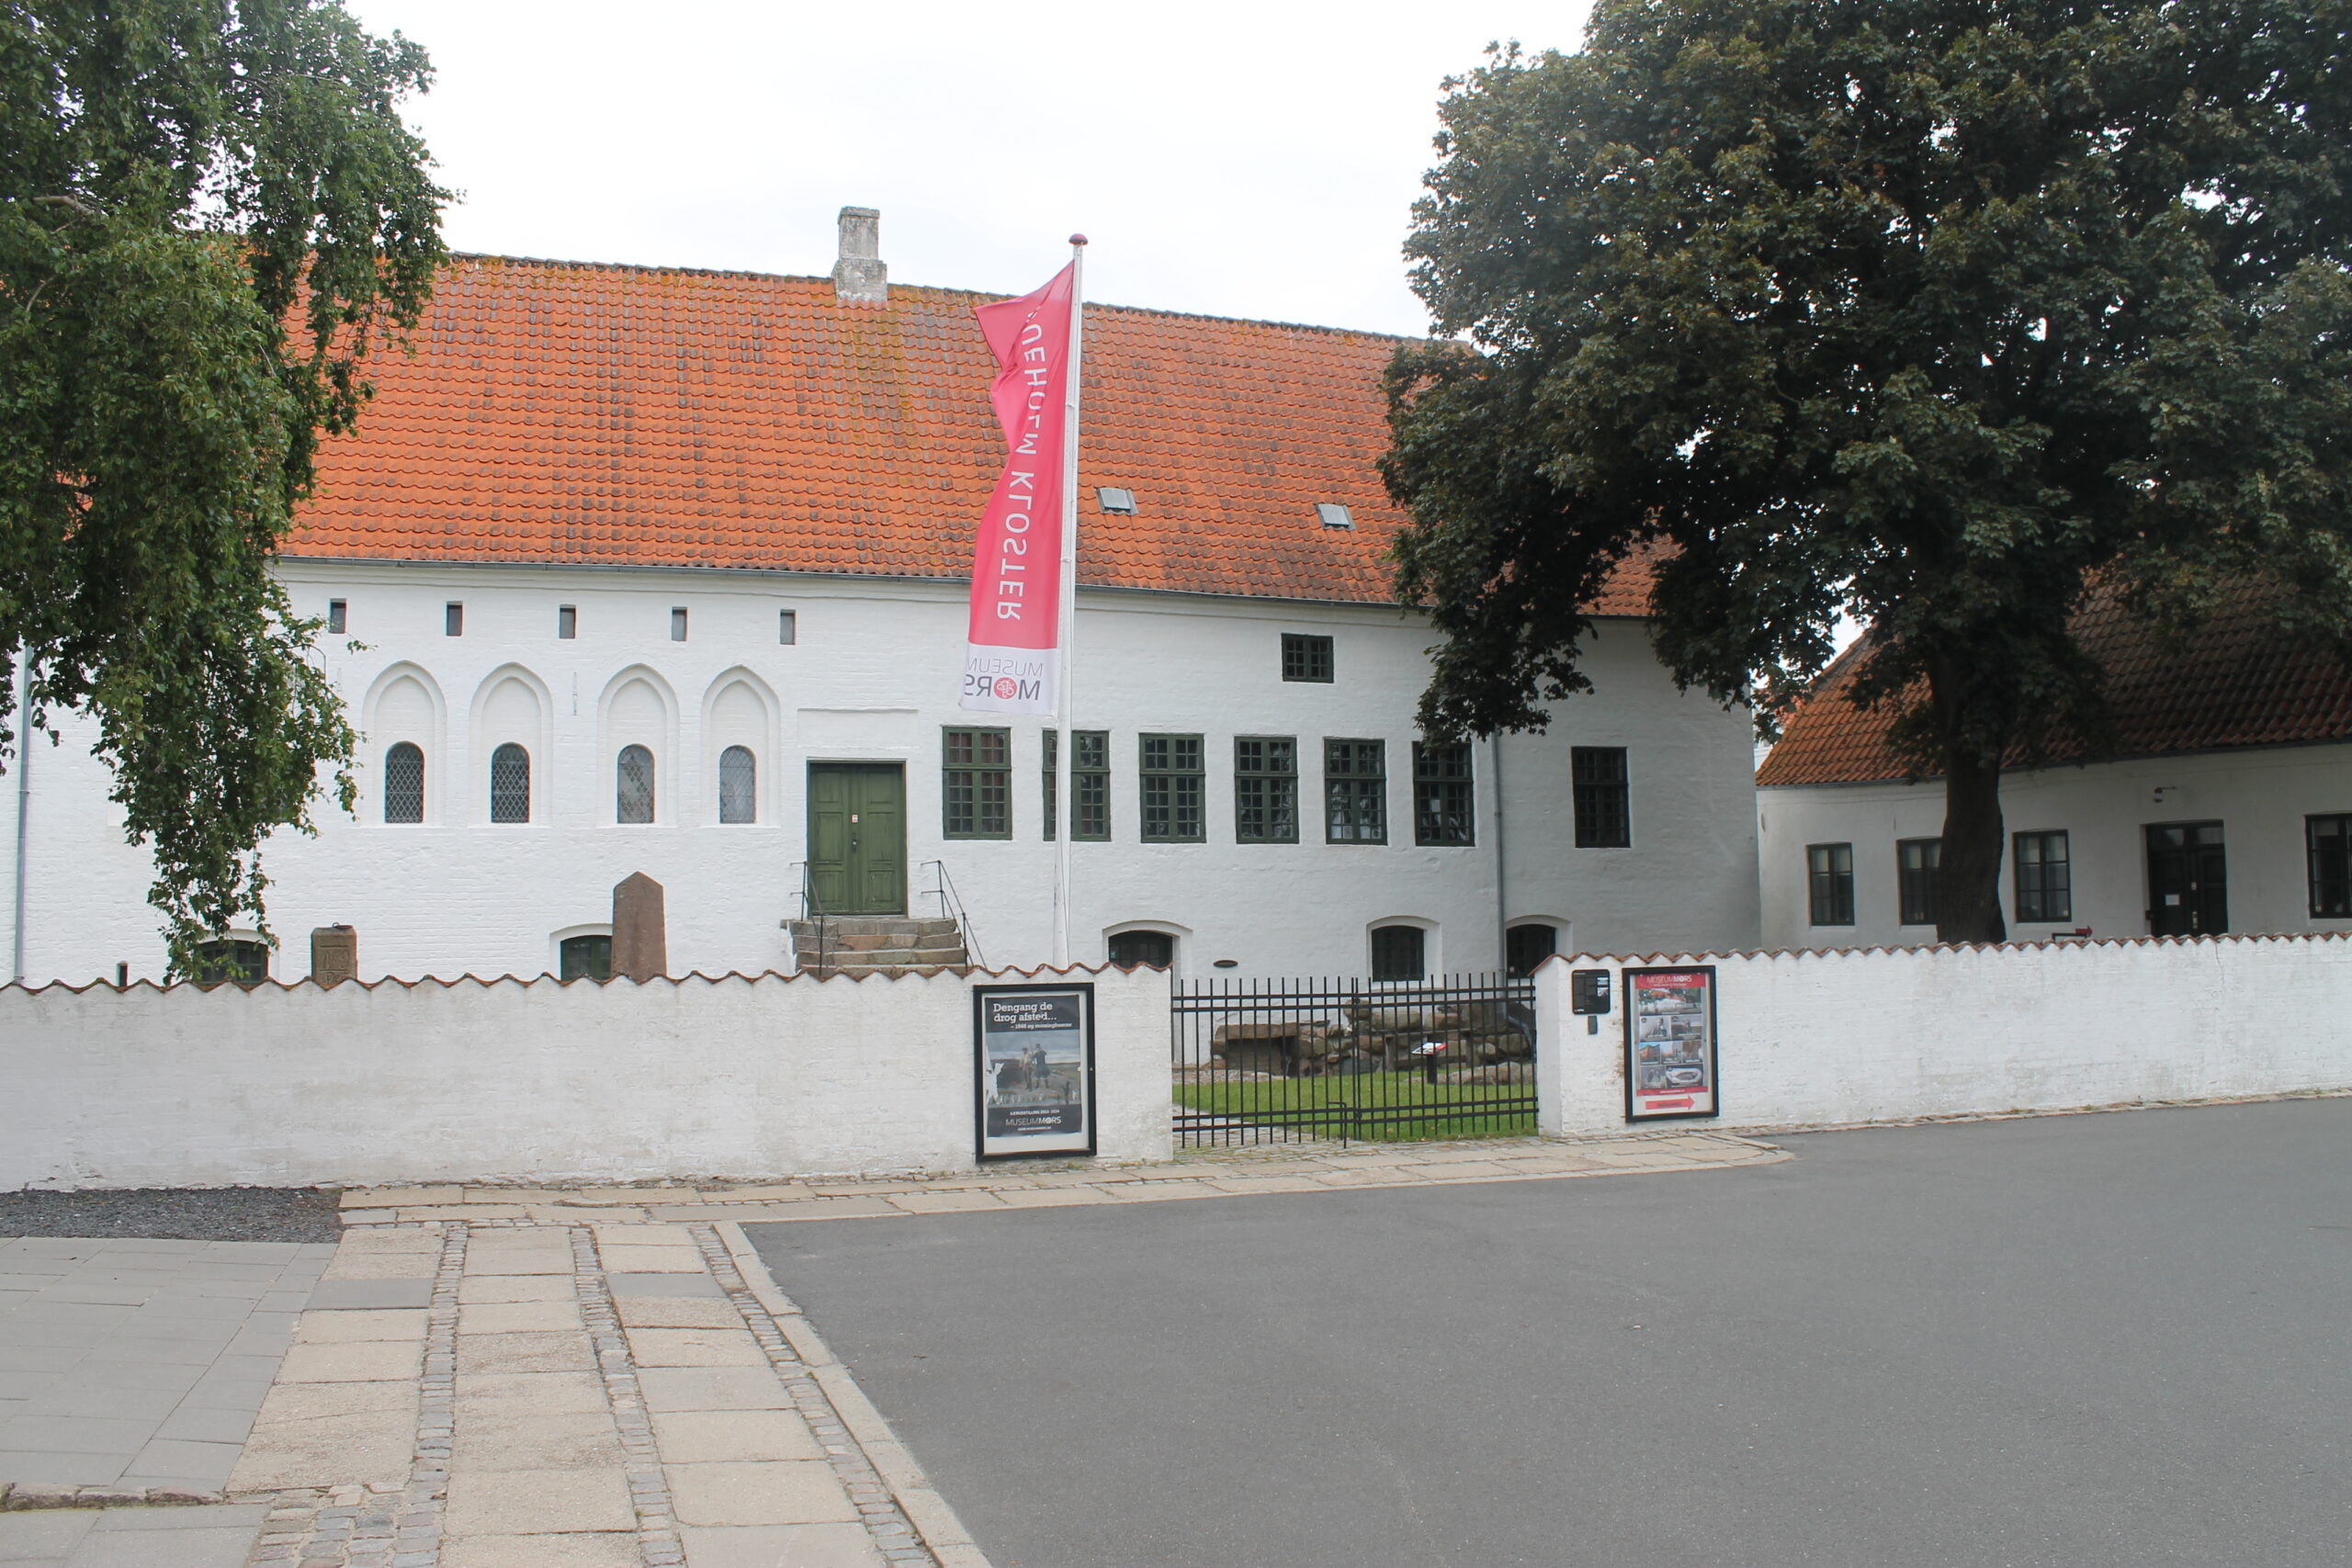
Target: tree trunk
<point x="1968" y="894"/>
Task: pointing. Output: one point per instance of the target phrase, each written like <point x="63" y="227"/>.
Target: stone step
<point x="860" y="970"/>
<point x="837" y="958"/>
<point x="875" y="925"/>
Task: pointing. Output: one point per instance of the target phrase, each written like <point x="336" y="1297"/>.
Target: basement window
<point x="1120" y="501"/>
<point x="1333" y="516"/>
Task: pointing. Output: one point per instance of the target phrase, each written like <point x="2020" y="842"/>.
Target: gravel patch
<point x="186" y="1213"/>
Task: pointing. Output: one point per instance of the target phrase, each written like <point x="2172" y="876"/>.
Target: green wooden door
<point x="857" y="838"/>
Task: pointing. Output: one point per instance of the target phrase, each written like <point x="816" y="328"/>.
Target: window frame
<point x="1432" y="785"/>
<point x="1927" y="880"/>
<point x="392" y="755"/>
<point x="1592" y="796"/>
<point x="1090" y="782"/>
<point x="453" y="619"/>
<point x="241" y="968"/>
<point x="1110" y="949"/>
<point x="990" y="782"/>
<point x="1839" y="880"/>
<point x="338" y="616"/>
<point x="2040" y="910"/>
<point x="567" y="623"/>
<point x="2318" y="877"/>
<point x="1313" y="651"/>
<point x="1351" y="780"/>
<point x="1279" y="786"/>
<point x="1172" y="782"/>
<point x="787" y="628"/>
<point x="563" y="955"/>
<point x="1512" y="964"/>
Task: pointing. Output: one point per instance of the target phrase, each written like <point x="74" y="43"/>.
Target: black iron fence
<point x="1284" y="1060"/>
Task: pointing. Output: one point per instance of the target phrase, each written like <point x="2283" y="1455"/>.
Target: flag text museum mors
<point x="1009" y="664"/>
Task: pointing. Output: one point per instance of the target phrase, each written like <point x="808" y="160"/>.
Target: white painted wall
<point x="1822" y="1039"/>
<point x="2260" y="797"/>
<point x="736" y="1078"/>
<point x="873" y="678"/>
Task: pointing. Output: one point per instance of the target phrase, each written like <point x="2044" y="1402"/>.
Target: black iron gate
<point x="1281" y="1060"/>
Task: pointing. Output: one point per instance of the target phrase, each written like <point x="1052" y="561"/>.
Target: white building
<point x="2226" y="805"/>
<point x="612" y="532"/>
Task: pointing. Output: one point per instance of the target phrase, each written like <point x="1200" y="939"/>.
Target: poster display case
<point x="1670" y="1043"/>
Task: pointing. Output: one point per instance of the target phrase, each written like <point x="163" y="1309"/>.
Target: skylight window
<point x="1333" y="515"/>
<point x="1121" y="502"/>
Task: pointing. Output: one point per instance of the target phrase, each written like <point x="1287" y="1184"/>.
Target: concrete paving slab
<point x="476" y="1290"/>
<point x="704" y="1437"/>
<point x="781" y="1546"/>
<point x="43" y="1536"/>
<point x="786" y="1492"/>
<point x="711" y="1388"/>
<point x="332" y="1296"/>
<point x="537" y="1502"/>
<point x="663" y="1284"/>
<point x="611" y="1550"/>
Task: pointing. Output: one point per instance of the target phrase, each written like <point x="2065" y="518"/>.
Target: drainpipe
<point x="1502" y="895"/>
<point x="24" y="806"/>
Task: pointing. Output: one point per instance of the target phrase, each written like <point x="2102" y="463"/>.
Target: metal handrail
<point x="951" y="907"/>
<point x="810" y="909"/>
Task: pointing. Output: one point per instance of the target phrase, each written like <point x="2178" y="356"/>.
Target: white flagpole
<point x="1065" y="807"/>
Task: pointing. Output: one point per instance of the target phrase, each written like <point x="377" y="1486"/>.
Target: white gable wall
<point x="872" y="678"/>
<point x="2260" y="797"/>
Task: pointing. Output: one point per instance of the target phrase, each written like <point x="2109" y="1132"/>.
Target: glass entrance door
<point x="2188" y="888"/>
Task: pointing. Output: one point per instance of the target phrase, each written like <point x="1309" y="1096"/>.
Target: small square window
<point x="678" y="623"/>
<point x="453" y="621"/>
<point x="567" y="621"/>
<point x="788" y="627"/>
<point x="1119" y="501"/>
<point x="335" y="616"/>
<point x="1331" y="514"/>
<point x="1307" y="658"/>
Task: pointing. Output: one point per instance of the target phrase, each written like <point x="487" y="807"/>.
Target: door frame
<point x="2148" y="850"/>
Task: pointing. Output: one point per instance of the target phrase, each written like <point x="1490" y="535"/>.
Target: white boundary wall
<point x="736" y="1078"/>
<point x="1891" y="1035"/>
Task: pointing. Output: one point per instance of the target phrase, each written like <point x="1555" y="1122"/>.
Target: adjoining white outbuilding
<point x="633" y="569"/>
<point x="2224" y="804"/>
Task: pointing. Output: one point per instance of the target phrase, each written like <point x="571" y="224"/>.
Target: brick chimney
<point x="860" y="275"/>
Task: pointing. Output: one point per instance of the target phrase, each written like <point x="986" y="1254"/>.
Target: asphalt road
<point x="2077" y="1341"/>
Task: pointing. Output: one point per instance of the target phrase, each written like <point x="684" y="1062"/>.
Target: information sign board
<point x="1670" y="1043"/>
<point x="1033" y="1070"/>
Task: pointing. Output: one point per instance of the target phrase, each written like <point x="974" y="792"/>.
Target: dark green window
<point x="1399" y="952"/>
<point x="1174" y="789"/>
<point x="1307" y="658"/>
<point x="2045" y="878"/>
<point x="1355" y="792"/>
<point x="1919" y="863"/>
<point x="1265" y="789"/>
<point x="585" y="958"/>
<point x="239" y="961"/>
<point x="977" y="785"/>
<point x="1604" y="814"/>
<point x="1443" y="812"/>
<point x="1829" y="876"/>
<point x="1090" y="773"/>
<point x="2331" y="844"/>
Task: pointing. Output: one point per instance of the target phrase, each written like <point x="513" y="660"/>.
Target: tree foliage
<point x="209" y="212"/>
<point x="1934" y="314"/>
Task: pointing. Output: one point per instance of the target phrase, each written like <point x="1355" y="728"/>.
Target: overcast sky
<point x="1237" y="159"/>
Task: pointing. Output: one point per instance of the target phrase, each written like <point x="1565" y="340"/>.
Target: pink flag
<point x="1010" y="665"/>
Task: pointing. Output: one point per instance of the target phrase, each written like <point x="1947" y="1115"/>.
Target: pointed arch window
<point x="633" y="785"/>
<point x="404" y="783"/>
<point x="510" y="784"/>
<point x="738" y="793"/>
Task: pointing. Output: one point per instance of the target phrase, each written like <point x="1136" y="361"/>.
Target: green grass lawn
<point x="1322" y="1106"/>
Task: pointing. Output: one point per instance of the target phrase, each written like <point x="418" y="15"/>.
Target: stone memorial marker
<point x="335" y="954"/>
<point x="640" y="939"/>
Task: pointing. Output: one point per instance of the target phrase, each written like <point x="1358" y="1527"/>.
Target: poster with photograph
<point x="1033" y="1069"/>
<point x="1670" y="1043"/>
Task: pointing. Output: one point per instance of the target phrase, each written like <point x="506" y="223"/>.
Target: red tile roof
<point x="2238" y="681"/>
<point x="568" y="413"/>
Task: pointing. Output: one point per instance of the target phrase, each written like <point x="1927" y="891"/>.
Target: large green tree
<point x="209" y="212"/>
<point x="1936" y="315"/>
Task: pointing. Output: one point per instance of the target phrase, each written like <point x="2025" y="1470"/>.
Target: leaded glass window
<point x="1355" y="792"/>
<point x="633" y="785"/>
<point x="1443" y="812"/>
<point x="510" y="784"/>
<point x="1174" y="789"/>
<point x="1265" y="789"/>
<point x="739" y="781"/>
<point x="404" y="783"/>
